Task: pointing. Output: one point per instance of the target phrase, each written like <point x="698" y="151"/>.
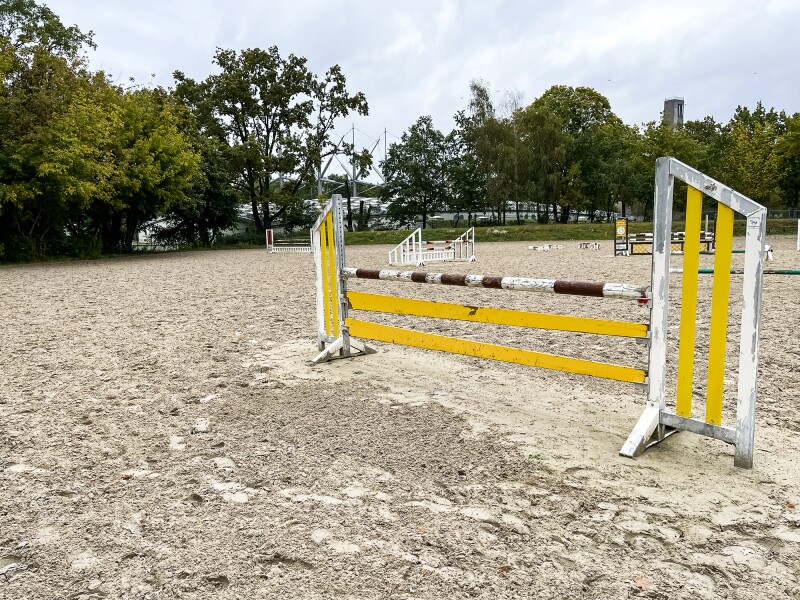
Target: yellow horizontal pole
<point x="430" y="341"/>
<point x="498" y="316"/>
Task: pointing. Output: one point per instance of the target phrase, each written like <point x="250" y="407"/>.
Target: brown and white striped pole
<point x="519" y="284"/>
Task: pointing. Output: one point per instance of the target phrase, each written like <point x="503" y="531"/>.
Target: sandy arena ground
<point x="163" y="435"/>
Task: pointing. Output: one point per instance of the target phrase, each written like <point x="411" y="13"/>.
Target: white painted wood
<point x="328" y="352"/>
<point x="655" y="417"/>
<point x="649" y="422"/>
<point x="713" y="188"/>
<point x="517" y="284"/>
<point x="291" y="249"/>
<point x="642" y="432"/>
<point x="413" y="250"/>
<point x="748" y="347"/>
<point x="339" y="261"/>
<point x="624" y="290"/>
<point x="288" y="246"/>
<point x="318" y="285"/>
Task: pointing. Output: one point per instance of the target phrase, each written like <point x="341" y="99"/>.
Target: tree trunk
<point x="261" y="227"/>
<point x="270" y="217"/>
<point x="363" y="218"/>
<point x="110" y="232"/>
<point x="256" y="218"/>
<point x="131" y="225"/>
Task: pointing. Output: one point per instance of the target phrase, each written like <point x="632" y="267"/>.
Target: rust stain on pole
<point x="368" y="274"/>
<point x="491" y="281"/>
<point x="451" y="279"/>
<point x="579" y="288"/>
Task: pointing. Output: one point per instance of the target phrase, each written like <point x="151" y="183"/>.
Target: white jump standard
<point x="294" y="246"/>
<point x="415" y="251"/>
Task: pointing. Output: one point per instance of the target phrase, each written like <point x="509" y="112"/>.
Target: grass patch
<point x="548" y="232"/>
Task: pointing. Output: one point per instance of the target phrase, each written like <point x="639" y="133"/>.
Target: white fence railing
<point x="288" y="245"/>
<point x="415" y="251"/>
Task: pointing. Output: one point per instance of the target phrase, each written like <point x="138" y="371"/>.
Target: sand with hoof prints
<point x="163" y="435"/>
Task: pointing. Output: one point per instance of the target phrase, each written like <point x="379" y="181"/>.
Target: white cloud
<point x="417" y="57"/>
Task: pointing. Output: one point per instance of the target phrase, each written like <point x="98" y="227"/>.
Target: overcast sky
<point x="413" y="58"/>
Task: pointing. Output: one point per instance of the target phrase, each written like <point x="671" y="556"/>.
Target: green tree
<point x="752" y="162"/>
<point x="466" y="183"/>
<point x="156" y="166"/>
<point x="41" y="75"/>
<point x="544" y="154"/>
<point x="209" y="206"/>
<point x="493" y="142"/>
<point x="714" y="138"/>
<point x="276" y="116"/>
<point x="53" y="152"/>
<point x="609" y="175"/>
<point x="415" y="173"/>
<point x="28" y="26"/>
<point x="495" y="148"/>
<point x="788" y="153"/>
<point x="580" y="111"/>
<point x="80" y="160"/>
<point x="660" y="139"/>
<point x="759" y="116"/>
<point x="466" y="170"/>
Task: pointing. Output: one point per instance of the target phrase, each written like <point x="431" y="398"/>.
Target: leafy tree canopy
<point x="277" y="118"/>
<point x="25" y="24"/>
<point x="415" y="173"/>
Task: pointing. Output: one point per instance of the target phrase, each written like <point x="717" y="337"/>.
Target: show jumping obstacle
<point x="335" y="325"/>
<point x="546" y="247"/>
<point x="288" y="245"/>
<point x="629" y="244"/>
<point x="741" y="271"/>
<point x="415" y="251"/>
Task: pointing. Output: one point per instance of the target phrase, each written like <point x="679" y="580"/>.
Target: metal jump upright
<point x="657" y="421"/>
